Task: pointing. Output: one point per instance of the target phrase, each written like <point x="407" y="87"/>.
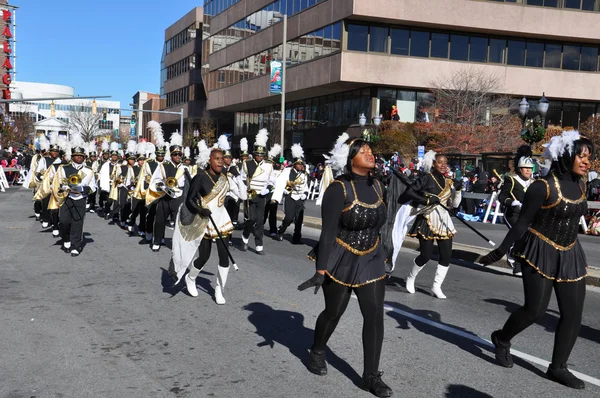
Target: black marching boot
<point x="317" y="365"/>
<point x="502" y="351"/>
<point x="561" y="374"/>
<point x="373" y="384"/>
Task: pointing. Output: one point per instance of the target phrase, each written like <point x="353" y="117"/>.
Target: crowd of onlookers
<point x="11" y="158"/>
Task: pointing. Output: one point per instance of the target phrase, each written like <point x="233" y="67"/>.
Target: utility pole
<point x="283" y="78"/>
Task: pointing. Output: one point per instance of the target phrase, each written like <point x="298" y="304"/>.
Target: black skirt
<point x="558" y="265"/>
<point x="352" y="270"/>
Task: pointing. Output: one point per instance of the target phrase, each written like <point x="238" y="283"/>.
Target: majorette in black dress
<point x="349" y="249"/>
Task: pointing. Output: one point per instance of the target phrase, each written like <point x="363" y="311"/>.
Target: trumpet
<point x="119" y="180"/>
<point x="73" y="182"/>
<point x="251" y="194"/>
<point x="168" y="186"/>
<point x="289" y="186"/>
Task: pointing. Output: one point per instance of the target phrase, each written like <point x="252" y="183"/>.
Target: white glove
<point x="303" y="197"/>
<point x="160" y="186"/>
<point x="64" y="187"/>
<point x="264" y="192"/>
<point x="516" y="203"/>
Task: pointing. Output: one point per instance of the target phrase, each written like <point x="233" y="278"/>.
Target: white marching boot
<point x="221" y="281"/>
<point x="440" y="275"/>
<point x="190" y="281"/>
<point x="410" y="279"/>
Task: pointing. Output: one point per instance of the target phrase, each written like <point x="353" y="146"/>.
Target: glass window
<point x="535" y="2"/>
<point x="573" y="4"/>
<point x="459" y="47"/>
<point x="554" y="115"/>
<point x="478" y="49"/>
<point x="570" y="114"/>
<point x="497" y="50"/>
<point x="439" y="45"/>
<point x="553" y="54"/>
<point x="419" y="43"/>
<point x="378" y="40"/>
<point x="589" y="59"/>
<point x="571" y="57"/>
<point x="516" y="53"/>
<point x="535" y="54"/>
<point x="588" y="5"/>
<point x="551" y="3"/>
<point x="399" y="39"/>
<point x="407" y="95"/>
<point x="357" y="37"/>
<point x="586" y="110"/>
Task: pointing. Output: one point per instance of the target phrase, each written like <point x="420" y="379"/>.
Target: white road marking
<point x="488" y="343"/>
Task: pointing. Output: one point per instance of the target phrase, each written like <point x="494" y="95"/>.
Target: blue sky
<point x="99" y="47"/>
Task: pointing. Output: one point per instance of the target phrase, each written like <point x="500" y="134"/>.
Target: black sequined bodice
<point x="558" y="220"/>
<point x="361" y="223"/>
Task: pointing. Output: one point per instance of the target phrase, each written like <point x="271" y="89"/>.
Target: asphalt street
<point x="110" y="323"/>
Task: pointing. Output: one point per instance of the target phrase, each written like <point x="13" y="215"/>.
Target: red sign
<point x="7" y="65"/>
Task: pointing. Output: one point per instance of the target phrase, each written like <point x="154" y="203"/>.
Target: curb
<point x="461" y="253"/>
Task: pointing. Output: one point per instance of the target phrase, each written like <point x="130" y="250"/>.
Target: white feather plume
<point x="428" y="160"/>
<point x="77" y="141"/>
<point x="131" y="146"/>
<point x="338" y="156"/>
<point x="297" y="151"/>
<point x="91" y="147"/>
<point x="244" y="144"/>
<point x="223" y="143"/>
<point x="105" y="145"/>
<point x="157" y="132"/>
<point x="176" y="139"/>
<point x="203" y="154"/>
<point x="141" y="148"/>
<point x="44" y="143"/>
<point x="275" y="151"/>
<point x="150" y="150"/>
<point x="63" y="143"/>
<point x="186" y="152"/>
<point x="114" y="146"/>
<point x="215" y="146"/>
<point x="261" y="138"/>
<point x="561" y="143"/>
<point x="53" y="137"/>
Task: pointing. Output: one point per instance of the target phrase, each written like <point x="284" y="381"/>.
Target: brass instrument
<point x="132" y="186"/>
<point x="171" y="182"/>
<point x="119" y="180"/>
<point x="168" y="186"/>
<point x="289" y="186"/>
<point x="73" y="182"/>
<point x="251" y="194"/>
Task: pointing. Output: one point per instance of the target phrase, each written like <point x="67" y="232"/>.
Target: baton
<point x="223" y="242"/>
<point x="467" y="224"/>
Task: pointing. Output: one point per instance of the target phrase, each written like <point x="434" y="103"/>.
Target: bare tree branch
<point x="85" y="122"/>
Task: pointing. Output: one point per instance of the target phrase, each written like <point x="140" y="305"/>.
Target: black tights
<point x="570" y="297"/>
<point x="426" y="248"/>
<point x="370" y="299"/>
<point x="204" y="254"/>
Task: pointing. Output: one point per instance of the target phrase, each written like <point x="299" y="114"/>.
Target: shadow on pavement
<point x="287" y="328"/>
<point x="169" y="286"/>
<point x="549" y="321"/>
<point x="473" y="347"/>
<point x="462" y="391"/>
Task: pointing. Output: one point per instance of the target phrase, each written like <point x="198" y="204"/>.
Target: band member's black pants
<point x="294" y="212"/>
<point x="37" y="207"/>
<point x="72" y="214"/>
<point x="138" y="208"/>
<point x="271" y="214"/>
<point x="91" y="200"/>
<point x="165" y="207"/>
<point x="570" y="297"/>
<point x="102" y="199"/>
<point x="150" y="217"/>
<point x="370" y="300"/>
<point x="45" y="212"/>
<point x="255" y="222"/>
<point x="124" y="204"/>
<point x="204" y="253"/>
<point x="233" y="209"/>
<point x="54" y="219"/>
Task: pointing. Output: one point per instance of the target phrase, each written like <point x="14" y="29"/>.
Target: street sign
<point x="420" y="152"/>
<point x="132" y="132"/>
<point x="276" y="77"/>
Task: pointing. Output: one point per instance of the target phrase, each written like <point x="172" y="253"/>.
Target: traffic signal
<point x="104" y="116"/>
<point x="133" y="117"/>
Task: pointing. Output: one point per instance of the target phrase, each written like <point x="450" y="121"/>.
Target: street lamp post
<point x="367" y="133"/>
<point x="534" y="130"/>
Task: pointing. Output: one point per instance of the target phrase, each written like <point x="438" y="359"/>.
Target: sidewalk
<point x="461" y="253"/>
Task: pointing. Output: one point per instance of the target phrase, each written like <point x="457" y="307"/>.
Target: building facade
<point x="63" y="115"/>
<point x="347" y="57"/>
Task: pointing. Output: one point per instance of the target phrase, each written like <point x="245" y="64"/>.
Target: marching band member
<point x="92" y="163"/>
<point x="256" y="174"/>
<point x="195" y="231"/>
<point x="294" y="182"/>
<point x="106" y="181"/>
<point x="44" y="165"/>
<point x="187" y="162"/>
<point x="102" y="195"/>
<point x="244" y="155"/>
<point x="166" y="188"/>
<point x="122" y="183"/>
<point x="513" y="191"/>
<point x="31" y="182"/>
<point x="160" y="150"/>
<point x="271" y="205"/>
<point x="138" y="205"/>
<point x="71" y="185"/>
<point x="237" y="191"/>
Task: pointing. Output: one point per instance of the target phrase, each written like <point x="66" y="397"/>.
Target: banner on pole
<point x="276" y="77"/>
